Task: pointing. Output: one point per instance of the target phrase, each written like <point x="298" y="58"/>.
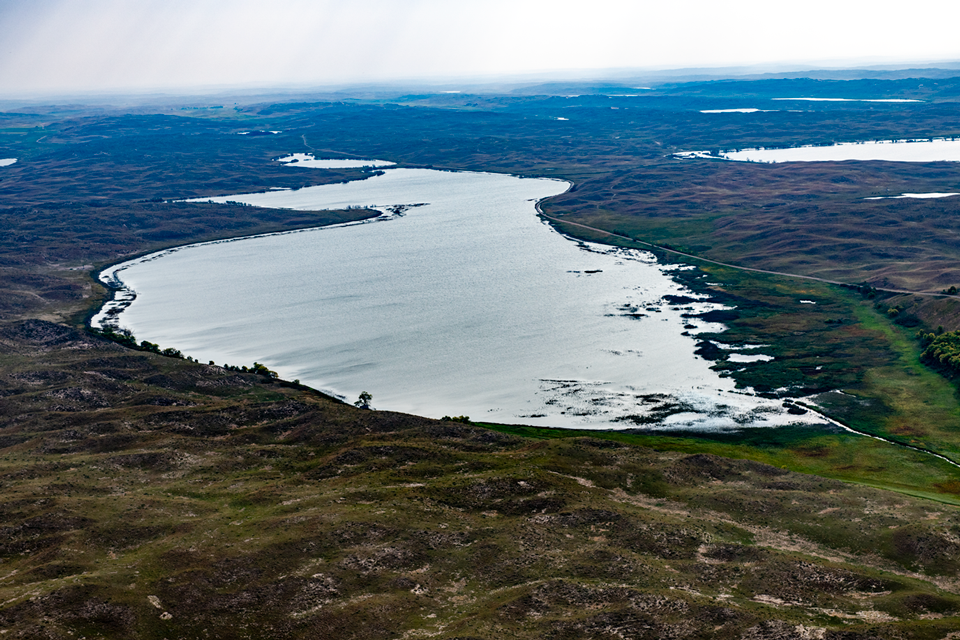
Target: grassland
<point x="154" y="497"/>
<point x="808" y="219"/>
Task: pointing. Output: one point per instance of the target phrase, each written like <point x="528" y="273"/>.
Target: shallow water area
<point x="937" y="150"/>
<point x="744" y="357"/>
<point x="458" y="300"/>
<point x="6" y="162"/>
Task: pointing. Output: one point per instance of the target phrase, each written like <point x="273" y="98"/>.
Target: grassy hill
<point x="151" y="497"/>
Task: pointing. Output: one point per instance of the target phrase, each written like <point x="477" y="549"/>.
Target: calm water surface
<point x="848" y="99"/>
<point x="941" y="150"/>
<point x="457" y="301"/>
<point x="308" y="161"/>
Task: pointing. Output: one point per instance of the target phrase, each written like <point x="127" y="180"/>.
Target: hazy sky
<point x="67" y="46"/>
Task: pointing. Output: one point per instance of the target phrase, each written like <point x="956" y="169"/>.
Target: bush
<point x="120" y="336"/>
<point x="153" y="347"/>
<point x="127" y="339"/>
<point x="942" y="350"/>
<point x="263" y="371"/>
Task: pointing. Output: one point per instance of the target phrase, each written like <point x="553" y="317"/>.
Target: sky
<point x="88" y="46"/>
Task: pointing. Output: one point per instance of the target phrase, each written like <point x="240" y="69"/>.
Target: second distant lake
<point x="938" y="150"/>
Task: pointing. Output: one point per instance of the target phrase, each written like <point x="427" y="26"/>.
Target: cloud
<point x="90" y="45"/>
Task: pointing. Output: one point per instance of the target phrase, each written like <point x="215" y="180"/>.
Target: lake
<point x="745" y="110"/>
<point x="308" y="161"/>
<point x="920" y="196"/>
<point x="938" y="150"/>
<point x="893" y="100"/>
<point x="458" y="300"/>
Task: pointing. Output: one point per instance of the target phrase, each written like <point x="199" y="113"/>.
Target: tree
<point x="263" y="371"/>
<point x="119" y="335"/>
<point x="942" y="350"/>
<point x="152" y="347"/>
<point x="364" y="400"/>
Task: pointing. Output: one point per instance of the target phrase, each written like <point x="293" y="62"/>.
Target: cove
<point x="458" y="300"/>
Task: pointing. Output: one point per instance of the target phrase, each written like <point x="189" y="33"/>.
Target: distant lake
<point x="895" y="100"/>
<point x="745" y="110"/>
<point x="457" y="301"/>
<point x="940" y="150"/>
<point x="308" y="161"/>
<point x="917" y="196"/>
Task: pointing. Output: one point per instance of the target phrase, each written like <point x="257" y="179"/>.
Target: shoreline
<point x="97" y="272"/>
<point x="152" y="254"/>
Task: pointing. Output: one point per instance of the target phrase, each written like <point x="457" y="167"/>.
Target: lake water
<point x="895" y="100"/>
<point x="747" y="110"/>
<point x="457" y="301"/>
<point x="306" y="160"/>
<point x="920" y="196"/>
<point x="939" y="150"/>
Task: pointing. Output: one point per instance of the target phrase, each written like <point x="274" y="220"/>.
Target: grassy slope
<point x="151" y="497"/>
<point x="806" y="218"/>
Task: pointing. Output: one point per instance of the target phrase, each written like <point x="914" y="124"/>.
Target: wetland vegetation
<point x="151" y="496"/>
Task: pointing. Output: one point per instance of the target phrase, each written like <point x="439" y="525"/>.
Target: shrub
<point x="153" y="347"/>
<point x="120" y="336"/>
<point x="942" y="350"/>
<point x="263" y="371"/>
